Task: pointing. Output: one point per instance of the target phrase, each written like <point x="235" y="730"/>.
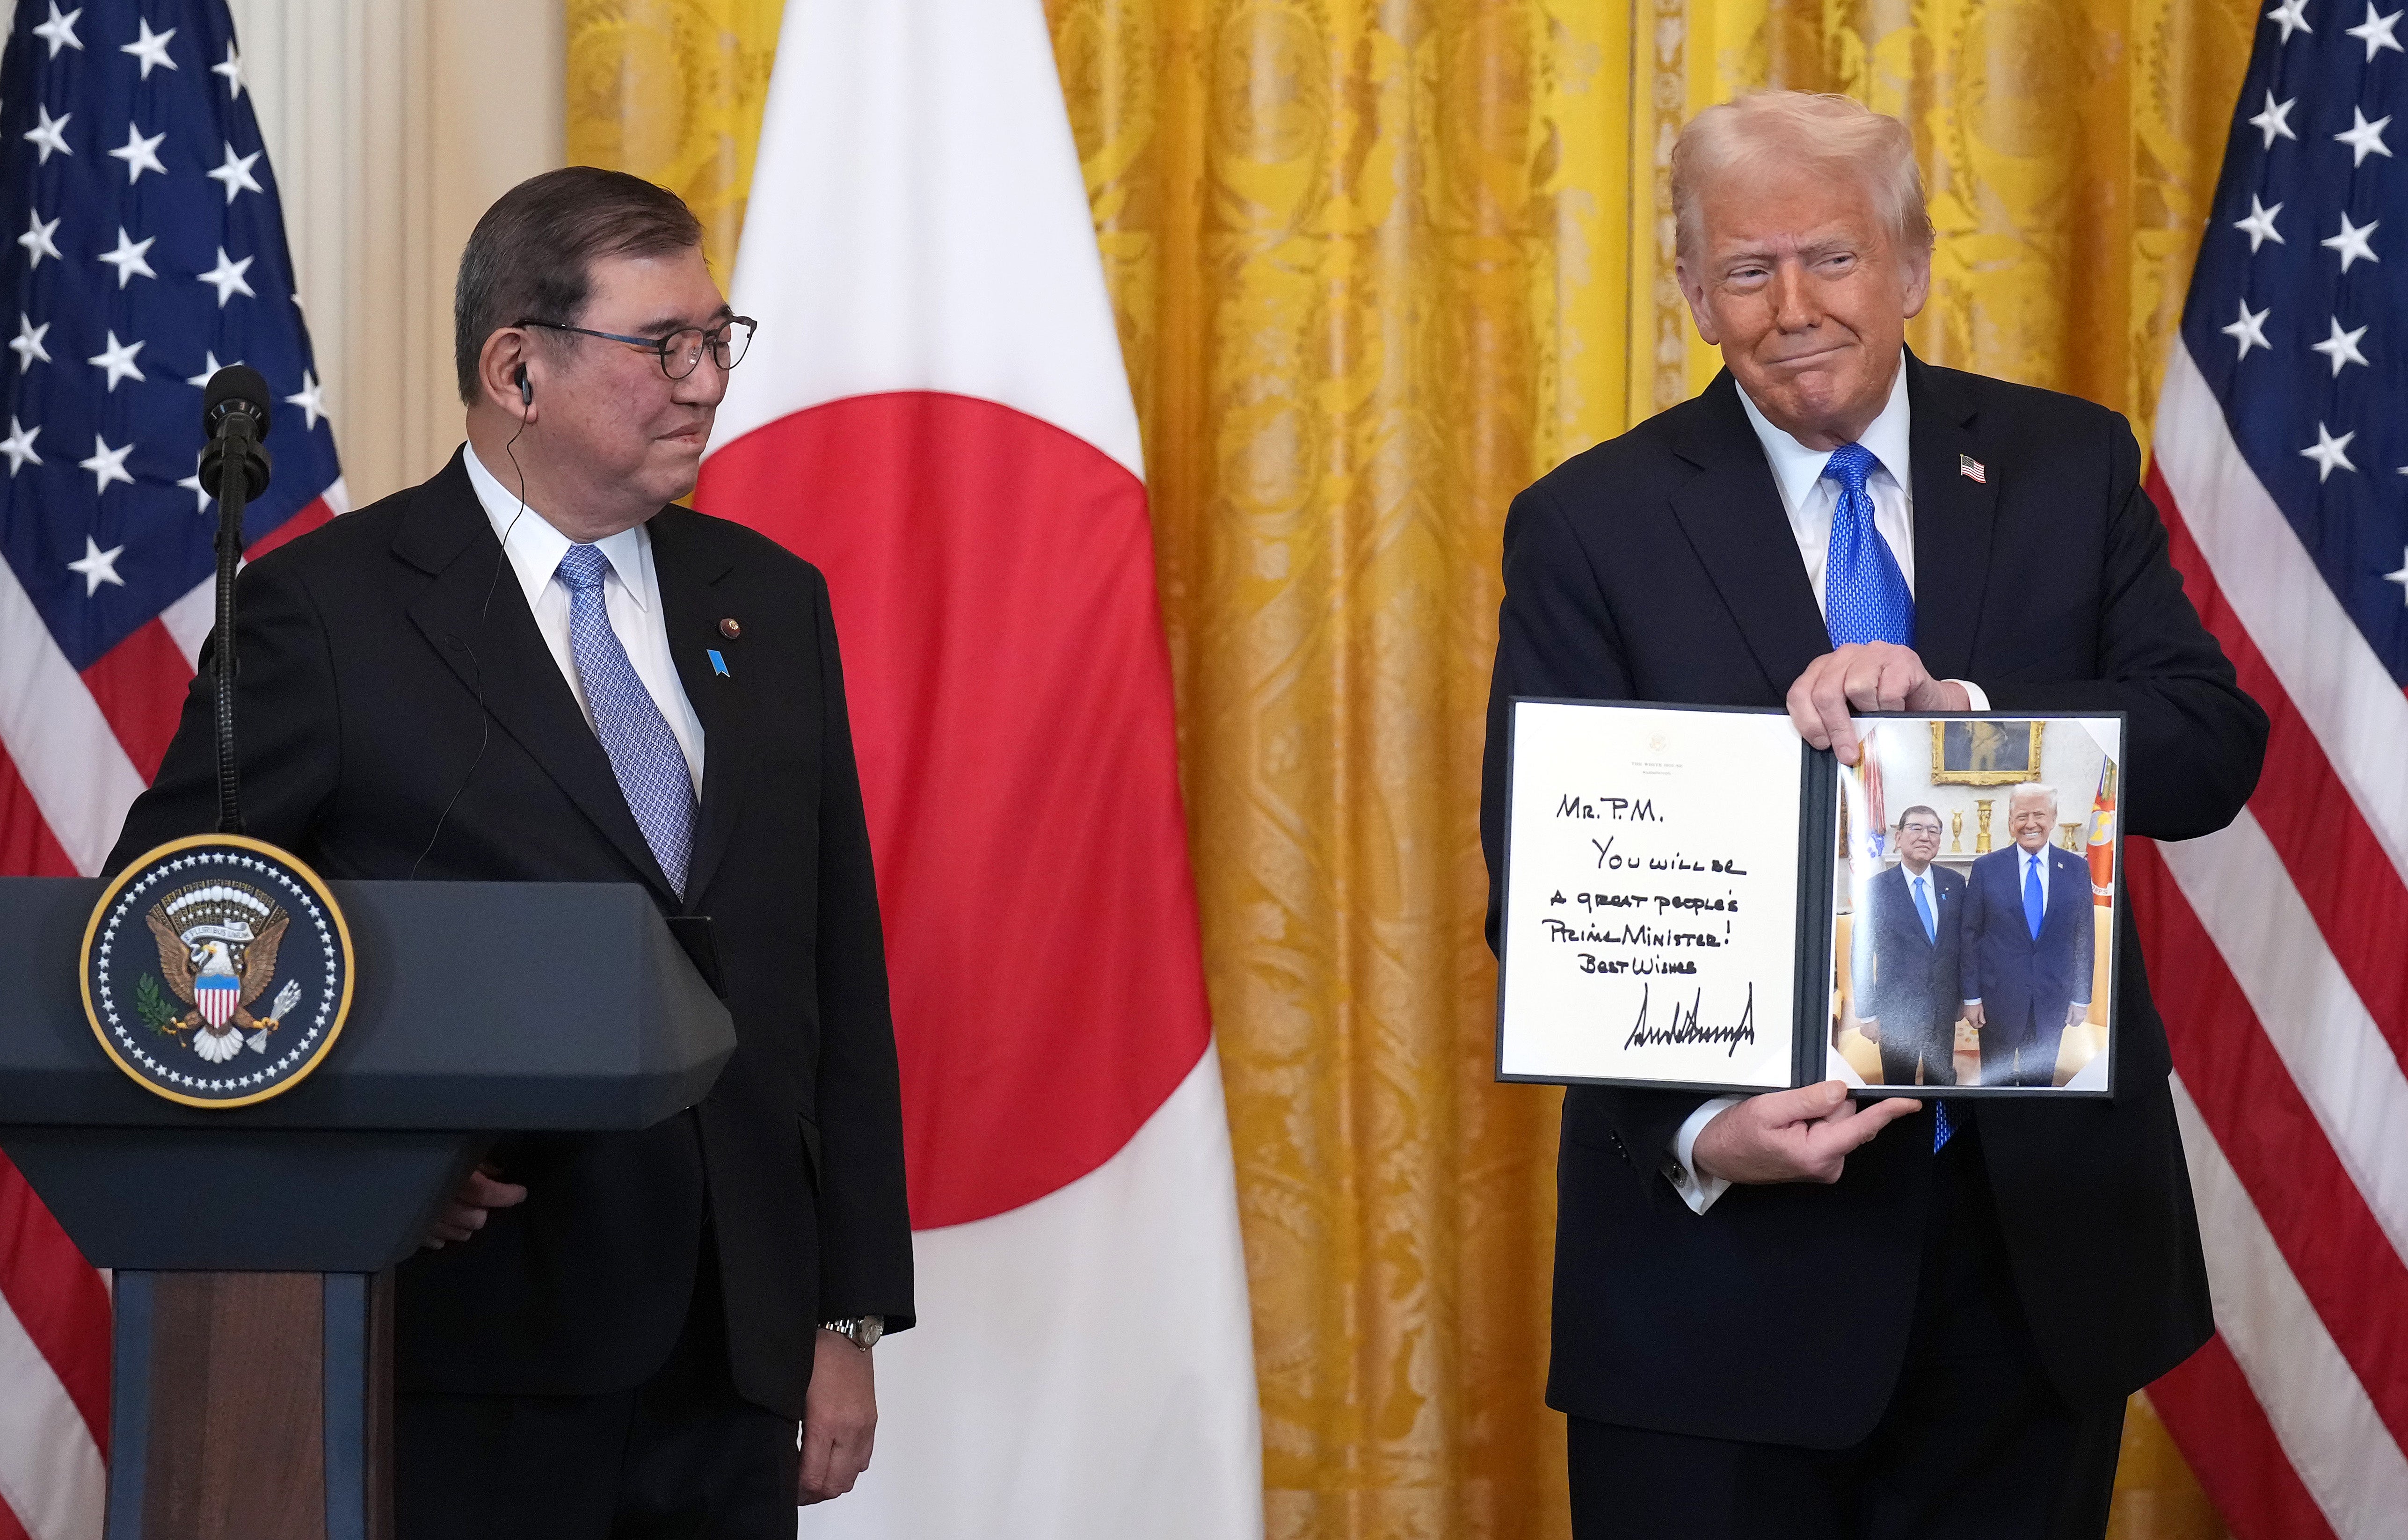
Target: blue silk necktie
<point x="2035" y="907"/>
<point x="1865" y="599"/>
<point x="1923" y="907"/>
<point x="644" y="754"/>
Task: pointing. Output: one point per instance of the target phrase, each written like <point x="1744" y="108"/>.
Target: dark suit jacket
<point x="1913" y="983"/>
<point x="365" y="648"/>
<point x="1660" y="566"/>
<point x="2025" y="982"/>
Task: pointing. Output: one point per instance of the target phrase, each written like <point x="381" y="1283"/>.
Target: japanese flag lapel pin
<point x="1970" y="470"/>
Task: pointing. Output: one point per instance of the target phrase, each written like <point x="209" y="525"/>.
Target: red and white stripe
<point x="75" y="749"/>
<point x="2275" y="951"/>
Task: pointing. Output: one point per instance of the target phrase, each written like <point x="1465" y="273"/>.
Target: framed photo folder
<point x="1695" y="899"/>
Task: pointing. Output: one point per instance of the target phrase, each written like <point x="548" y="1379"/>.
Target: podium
<point x="250" y="1387"/>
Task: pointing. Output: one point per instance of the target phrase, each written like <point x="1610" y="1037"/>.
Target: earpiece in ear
<point x="526" y="388"/>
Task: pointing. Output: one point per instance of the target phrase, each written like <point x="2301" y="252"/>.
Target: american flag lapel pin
<point x="1970" y="470"/>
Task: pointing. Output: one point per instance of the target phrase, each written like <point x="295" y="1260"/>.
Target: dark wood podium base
<point x="251" y="1406"/>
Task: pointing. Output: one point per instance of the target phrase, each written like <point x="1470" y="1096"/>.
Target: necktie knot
<point x="1849" y="465"/>
<point x="583" y="567"/>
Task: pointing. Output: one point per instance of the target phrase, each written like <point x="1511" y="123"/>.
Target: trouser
<point x="1906" y="1046"/>
<point x="1974" y="1443"/>
<point x="680" y="1455"/>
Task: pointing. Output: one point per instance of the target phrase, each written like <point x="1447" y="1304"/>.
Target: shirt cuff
<point x="1698" y="1190"/>
<point x="1977" y="699"/>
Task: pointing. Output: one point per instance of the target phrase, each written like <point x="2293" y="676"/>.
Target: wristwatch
<point x="862" y="1331"/>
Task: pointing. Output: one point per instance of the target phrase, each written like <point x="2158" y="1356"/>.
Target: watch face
<point x="869" y="1330"/>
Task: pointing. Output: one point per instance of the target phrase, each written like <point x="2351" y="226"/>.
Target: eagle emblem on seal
<point x="217" y="951"/>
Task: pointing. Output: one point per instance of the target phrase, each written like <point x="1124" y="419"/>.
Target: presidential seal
<point x="217" y="971"/>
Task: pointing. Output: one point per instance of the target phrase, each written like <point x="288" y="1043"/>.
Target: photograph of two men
<point x="1203" y="769"/>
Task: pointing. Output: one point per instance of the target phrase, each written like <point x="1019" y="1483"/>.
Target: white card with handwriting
<point x="1652" y="923"/>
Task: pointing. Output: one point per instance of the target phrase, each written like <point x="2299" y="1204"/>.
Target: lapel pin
<point x="1967" y="467"/>
<point x="718" y="663"/>
<point x="729" y="629"/>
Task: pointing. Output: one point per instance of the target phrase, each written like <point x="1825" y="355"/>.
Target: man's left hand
<point x="2077" y="1013"/>
<point x="1865" y="677"/>
<point x="839" y="1420"/>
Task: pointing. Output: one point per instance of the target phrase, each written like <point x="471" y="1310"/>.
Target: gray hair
<point x="2032" y="788"/>
<point x="1809" y="130"/>
<point x="532" y="255"/>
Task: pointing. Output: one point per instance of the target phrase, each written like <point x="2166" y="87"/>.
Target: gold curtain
<point x="1377" y="264"/>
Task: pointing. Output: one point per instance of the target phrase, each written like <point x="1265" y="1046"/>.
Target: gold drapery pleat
<point x="1377" y="263"/>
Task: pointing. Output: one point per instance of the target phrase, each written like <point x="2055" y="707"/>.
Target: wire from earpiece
<point x="484" y="716"/>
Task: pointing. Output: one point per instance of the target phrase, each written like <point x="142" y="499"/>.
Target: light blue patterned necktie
<point x="1865" y="597"/>
<point x="644" y="754"/>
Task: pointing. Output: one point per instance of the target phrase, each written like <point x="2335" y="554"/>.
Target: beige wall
<point x="392" y="124"/>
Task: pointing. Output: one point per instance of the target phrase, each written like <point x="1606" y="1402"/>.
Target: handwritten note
<point x="1651" y="905"/>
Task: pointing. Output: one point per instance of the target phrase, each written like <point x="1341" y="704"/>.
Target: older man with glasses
<point x="1906" y="941"/>
<point x="534" y="669"/>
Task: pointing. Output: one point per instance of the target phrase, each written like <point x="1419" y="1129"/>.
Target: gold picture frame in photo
<point x="1985" y="751"/>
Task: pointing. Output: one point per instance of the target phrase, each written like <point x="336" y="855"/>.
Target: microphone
<point x="235" y="416"/>
<point x="235" y="413"/>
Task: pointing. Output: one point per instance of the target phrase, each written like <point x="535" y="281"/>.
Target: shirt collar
<point x="536" y="546"/>
<point x="1795" y="468"/>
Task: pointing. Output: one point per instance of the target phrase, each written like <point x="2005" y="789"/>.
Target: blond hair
<point x="1809" y="130"/>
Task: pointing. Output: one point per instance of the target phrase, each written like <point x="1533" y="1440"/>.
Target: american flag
<point x="144" y="250"/>
<point x="2278" y="949"/>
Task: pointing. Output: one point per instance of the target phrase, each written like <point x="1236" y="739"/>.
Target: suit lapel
<point x="688" y="571"/>
<point x="1732" y="514"/>
<point x="476" y="617"/>
<point x="1953" y="518"/>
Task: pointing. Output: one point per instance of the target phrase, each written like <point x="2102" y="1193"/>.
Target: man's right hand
<point x="469" y="1207"/>
<point x="1802" y="1136"/>
<point x="1973" y="1015"/>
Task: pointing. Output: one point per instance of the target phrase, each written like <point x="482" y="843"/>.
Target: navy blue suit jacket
<point x="1912" y="982"/>
<point x="2025" y="982"/>
<point x="1661" y="566"/>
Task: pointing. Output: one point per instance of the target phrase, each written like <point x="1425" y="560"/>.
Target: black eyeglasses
<point x="680" y="352"/>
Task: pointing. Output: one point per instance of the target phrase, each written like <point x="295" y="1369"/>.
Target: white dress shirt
<point x="1810" y="500"/>
<point x="631" y="594"/>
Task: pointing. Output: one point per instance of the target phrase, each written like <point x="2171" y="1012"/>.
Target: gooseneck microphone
<point x="235" y="415"/>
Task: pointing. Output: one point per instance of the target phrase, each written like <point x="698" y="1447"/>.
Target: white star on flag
<point x="2341" y="347"/>
<point x="2364" y="139"/>
<point x="2351" y="243"/>
<point x="211" y="367"/>
<point x="150" y="48"/>
<point x="226" y="276"/>
<point x="193" y="484"/>
<point x="2275" y="119"/>
<point x="2291" y="16"/>
<point x="231" y="70"/>
<point x="18" y="445"/>
<point x="2260" y="224"/>
<point x="106" y="464"/>
<point x="2250" y="330"/>
<point x="28" y="345"/>
<point x="99" y="567"/>
<point x="2328" y="451"/>
<point x="140" y="154"/>
<point x="2377" y="31"/>
<point x="118" y="359"/>
<point x="128" y="257"/>
<point x="59" y="31"/>
<point x="2400" y="576"/>
<point x="49" y="134"/>
<point x="310" y="398"/>
<point x="236" y="173"/>
<point x="37" y="239"/>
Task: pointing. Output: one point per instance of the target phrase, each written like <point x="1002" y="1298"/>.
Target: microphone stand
<point x="238" y="467"/>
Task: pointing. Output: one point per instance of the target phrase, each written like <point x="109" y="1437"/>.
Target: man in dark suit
<point x="507" y="674"/>
<point x="1905" y="968"/>
<point x="2030" y="944"/>
<point x="1768" y="1321"/>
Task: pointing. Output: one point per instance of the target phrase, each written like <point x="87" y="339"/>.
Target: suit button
<point x="729" y="629"/>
